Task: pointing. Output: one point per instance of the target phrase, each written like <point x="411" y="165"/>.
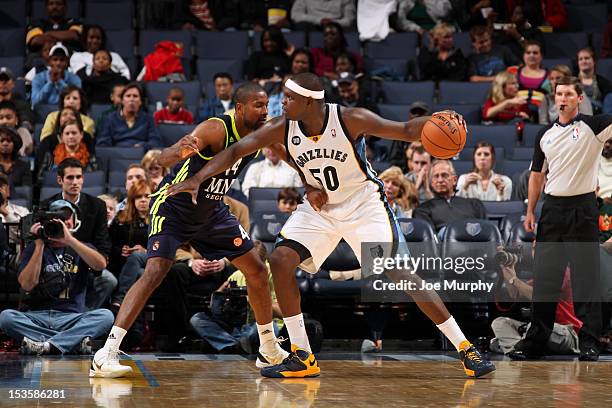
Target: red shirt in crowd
<point x="182" y="117"/>
<point x="507" y="114"/>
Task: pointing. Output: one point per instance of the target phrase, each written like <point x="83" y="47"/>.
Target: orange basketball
<point x="442" y="136"/>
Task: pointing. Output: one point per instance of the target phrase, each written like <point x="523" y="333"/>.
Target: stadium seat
<point x="121" y="164"/>
<point x="12" y="42"/>
<point x="132" y="153"/>
<point x="170" y="134"/>
<point x="13" y="13"/>
<point x="604" y="67"/>
<point x="530" y="133"/>
<point x="508" y="222"/>
<point x="471" y="113"/>
<point x="22" y="192"/>
<point x="116" y="179"/>
<point x="587" y="18"/>
<point x="92" y="179"/>
<point x="148" y="39"/>
<point x="315" y="39"/>
<point x="503" y="208"/>
<point x="511" y="167"/>
<point x="396" y="45"/>
<point x="15" y="64"/>
<point x="463" y="166"/>
<point x="522" y="153"/>
<point x="295" y="38"/>
<point x="39" y="10"/>
<point x="408" y="92"/>
<point x="222" y="45"/>
<point x="564" y="45"/>
<point x="394" y="112"/>
<point x="110" y="15"/>
<point x="463" y="41"/>
<point x="421" y="240"/>
<point x="342" y="258"/>
<point x="551" y="62"/>
<point x="95" y="110"/>
<point x="121" y="42"/>
<point x="397" y="65"/>
<point x="46" y="192"/>
<point x="158" y="92"/>
<point x="266" y="225"/>
<point x="263" y="193"/>
<point x="452" y="93"/>
<point x="207" y="68"/>
<point x="94" y="190"/>
<point x="22" y="202"/>
<point x="42" y="110"/>
<point x="519" y="237"/>
<point x="498" y="135"/>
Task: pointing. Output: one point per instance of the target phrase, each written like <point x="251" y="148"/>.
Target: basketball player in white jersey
<point x="344" y="200"/>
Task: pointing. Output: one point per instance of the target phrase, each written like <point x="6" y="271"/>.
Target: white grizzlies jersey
<point x="331" y="160"/>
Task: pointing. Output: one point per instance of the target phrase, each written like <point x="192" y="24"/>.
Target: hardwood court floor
<point x="389" y="380"/>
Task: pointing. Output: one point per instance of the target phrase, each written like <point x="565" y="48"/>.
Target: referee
<point x="566" y="158"/>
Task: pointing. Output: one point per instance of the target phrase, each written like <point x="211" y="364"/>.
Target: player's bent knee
<point x="155" y="271"/>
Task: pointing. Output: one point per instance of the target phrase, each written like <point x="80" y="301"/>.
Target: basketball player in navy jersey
<point x="345" y="200"/>
<point x="208" y="227"/>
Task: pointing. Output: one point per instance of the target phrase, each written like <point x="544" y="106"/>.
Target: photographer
<point x="508" y="331"/>
<point x="231" y="323"/>
<point x="53" y="273"/>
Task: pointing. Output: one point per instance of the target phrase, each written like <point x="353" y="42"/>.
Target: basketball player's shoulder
<point x="357" y="118"/>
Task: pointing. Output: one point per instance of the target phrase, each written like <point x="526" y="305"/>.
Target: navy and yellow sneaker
<point x="474" y="364"/>
<point x="298" y="364"/>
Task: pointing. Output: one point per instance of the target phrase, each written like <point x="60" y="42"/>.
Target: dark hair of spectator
<point x="107" y="52"/>
<point x="591" y="51"/>
<point x="177" y="89"/>
<point x="58" y="126"/>
<point x="308" y="54"/>
<point x="570" y="80"/>
<point x="47" y="2"/>
<point x="529" y="43"/>
<point x="17" y="142"/>
<point x="477" y="31"/>
<point x="420" y="149"/>
<point x="135" y="166"/>
<point x="491" y="149"/>
<point x="277" y="36"/>
<point x="223" y="75"/>
<point x="10" y="105"/>
<point x="86" y="31"/>
<point x="289" y="194"/>
<point x="348" y="56"/>
<point x="135" y="85"/>
<point x="78" y="124"/>
<point x="130" y="214"/>
<point x="68" y="163"/>
<point x="68" y="90"/>
<point x="338" y="27"/>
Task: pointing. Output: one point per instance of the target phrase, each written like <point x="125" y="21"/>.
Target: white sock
<point x="267" y="338"/>
<point x="113" y="341"/>
<point x="453" y="333"/>
<point x="297" y="331"/>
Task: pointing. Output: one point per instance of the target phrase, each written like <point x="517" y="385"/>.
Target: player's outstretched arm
<point x="207" y="133"/>
<point x="270" y="133"/>
<point x="363" y="121"/>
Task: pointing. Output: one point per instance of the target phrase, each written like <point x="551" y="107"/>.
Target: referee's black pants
<point x="567" y="235"/>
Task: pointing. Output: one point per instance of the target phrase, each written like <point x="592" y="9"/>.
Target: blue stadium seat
<point x="92" y="179"/>
<point x="148" y="39"/>
<point x="158" y="92"/>
<point x="170" y="134"/>
<point x="94" y="190"/>
<point x="604" y="67"/>
<point x="42" y="110"/>
<point x="462" y="40"/>
<point x="511" y="167"/>
<point x="263" y="193"/>
<point x="266" y="225"/>
<point x="121" y="42"/>
<point x="463" y="92"/>
<point x="396" y="45"/>
<point x="12" y="42"/>
<point x="95" y="110"/>
<point x="222" y="45"/>
<point x="296" y="38"/>
<point x="315" y="39"/>
<point x="551" y="62"/>
<point x="110" y="15"/>
<point x="22" y="192"/>
<point x="597" y="42"/>
<point x="129" y="153"/>
<point x="503" y="208"/>
<point x="342" y="258"/>
<point x="15" y="64"/>
<point x="12" y="14"/>
<point x="46" y="192"/>
<point x="588" y="18"/>
<point x="116" y="179"/>
<point x="121" y="164"/>
<point x="408" y="92"/>
<point x="22" y="202"/>
<point x="207" y="68"/>
<point x="498" y="135"/>
<point x="394" y="112"/>
<point x="73" y="9"/>
<point x="398" y="65"/>
<point x="209" y="88"/>
<point x="462" y="166"/>
<point x="529" y="134"/>
<point x="471" y="113"/>
<point x="422" y="241"/>
<point x="522" y="153"/>
<point x="564" y="45"/>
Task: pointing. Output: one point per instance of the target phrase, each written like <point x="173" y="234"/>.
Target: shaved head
<point x="309" y="80"/>
<point x="247" y="91"/>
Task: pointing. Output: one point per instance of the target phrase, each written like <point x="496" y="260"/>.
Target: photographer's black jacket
<point x="94" y="228"/>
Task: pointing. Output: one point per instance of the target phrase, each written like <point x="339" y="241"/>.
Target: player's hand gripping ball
<point x="444" y="134"/>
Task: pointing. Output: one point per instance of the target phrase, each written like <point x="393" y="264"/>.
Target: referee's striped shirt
<point x="571" y="153"/>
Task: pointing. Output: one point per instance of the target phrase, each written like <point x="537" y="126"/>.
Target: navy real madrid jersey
<point x="211" y="191"/>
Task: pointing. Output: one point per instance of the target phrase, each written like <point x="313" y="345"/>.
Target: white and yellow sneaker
<point x="266" y="359"/>
<point x="105" y="364"/>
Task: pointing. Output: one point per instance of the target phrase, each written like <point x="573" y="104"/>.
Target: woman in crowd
<point x="95" y="39"/>
<point x="70" y="97"/>
<point x="301" y="61"/>
<point x="18" y="171"/>
<point x="531" y="75"/>
<point x="99" y="82"/>
<point x="595" y="86"/>
<point x="549" y="112"/>
<point x="504" y="104"/>
<point x="483" y="183"/>
<point x="272" y="61"/>
<point x="334" y="44"/>
<point x="444" y="61"/>
<point x="155" y="171"/>
<point x="401" y="193"/>
<point x="71" y="145"/>
<point x="130" y="125"/>
<point x="128" y="234"/>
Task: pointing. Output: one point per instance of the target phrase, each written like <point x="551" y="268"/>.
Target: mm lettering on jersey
<point x="314" y="154"/>
<point x="218" y="186"/>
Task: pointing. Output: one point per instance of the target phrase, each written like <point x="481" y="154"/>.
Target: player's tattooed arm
<point x="270" y="133"/>
<point x="208" y="133"/>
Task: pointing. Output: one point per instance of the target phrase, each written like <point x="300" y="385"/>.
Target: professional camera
<point x="510" y="255"/>
<point x="231" y="305"/>
<point x="51" y="228"/>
